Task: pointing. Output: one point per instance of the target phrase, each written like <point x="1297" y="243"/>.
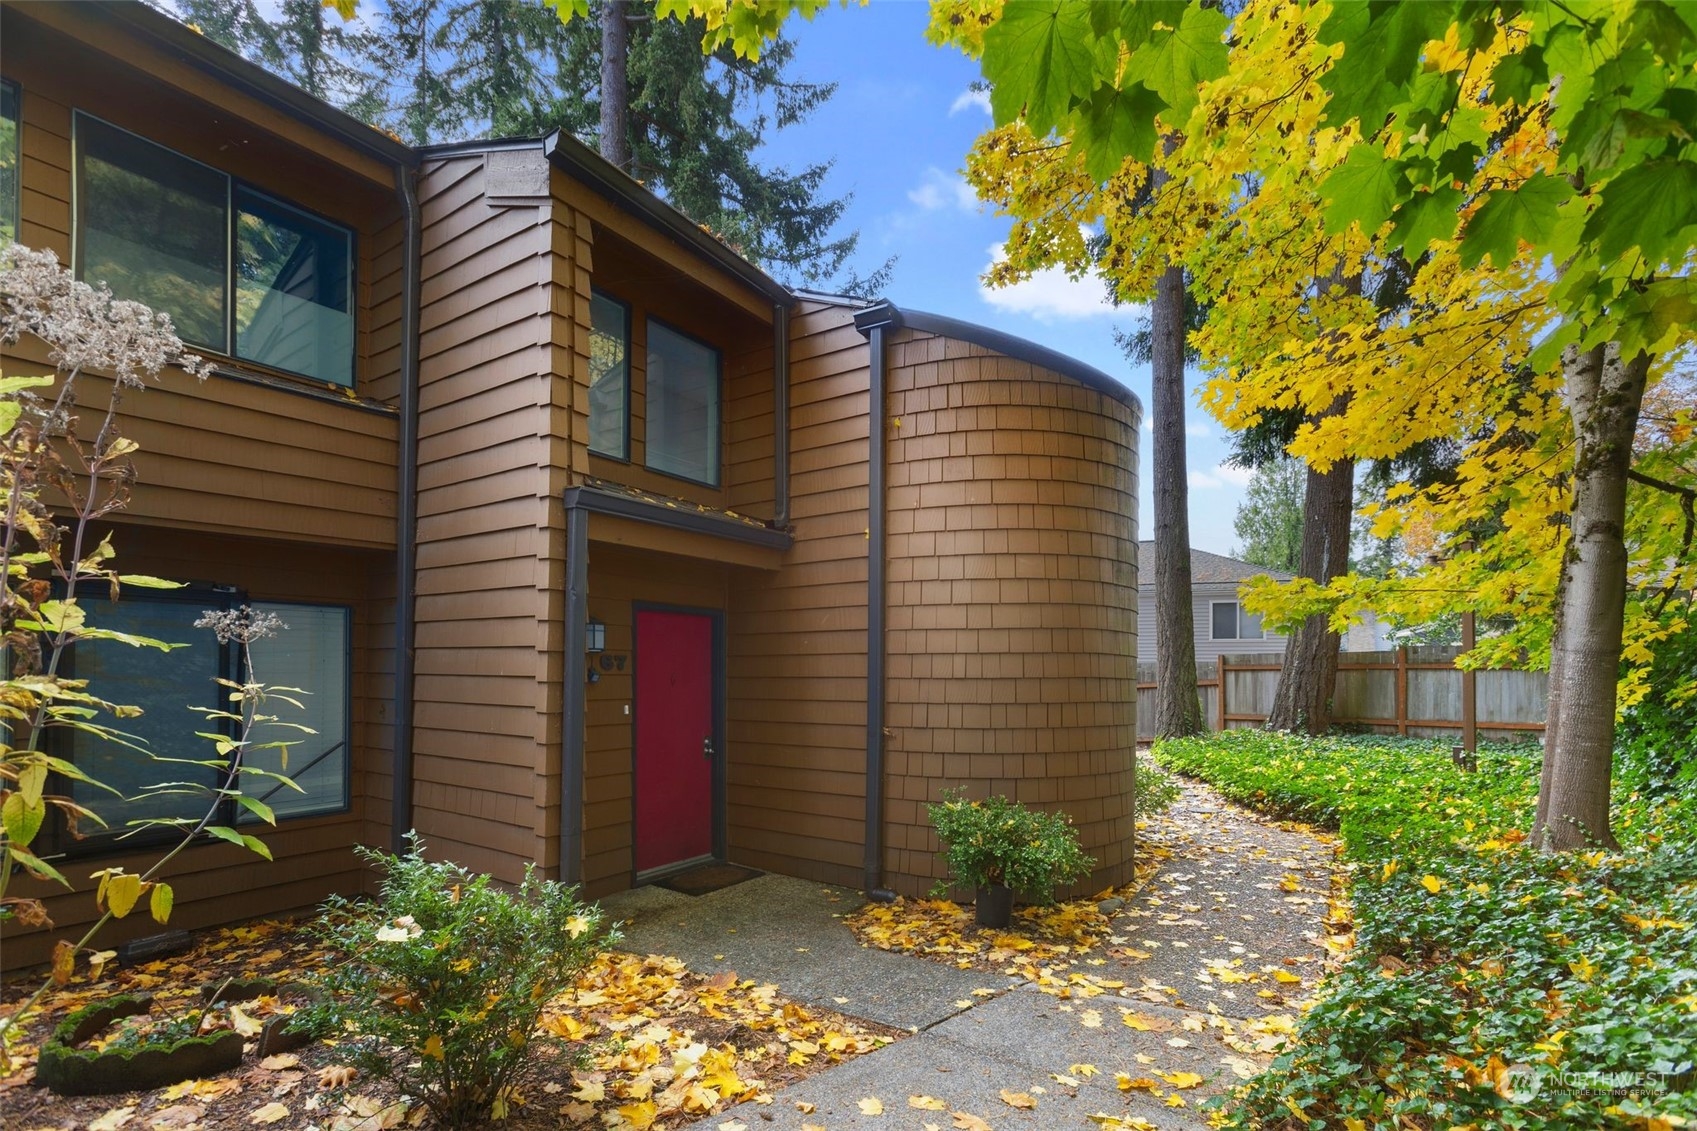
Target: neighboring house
<point x="1223" y="625"/>
<point x="600" y="549"/>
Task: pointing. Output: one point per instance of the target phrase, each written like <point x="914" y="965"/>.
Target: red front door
<point x="674" y="738"/>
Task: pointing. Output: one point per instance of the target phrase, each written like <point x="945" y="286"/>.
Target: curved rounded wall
<point x="1012" y="598"/>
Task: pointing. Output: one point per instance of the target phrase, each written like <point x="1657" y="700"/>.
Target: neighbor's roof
<point x="1206" y="568"/>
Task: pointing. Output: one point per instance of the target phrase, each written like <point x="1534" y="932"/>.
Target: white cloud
<point x="969" y="98"/>
<point x="1052" y="295"/>
<point x="1223" y="475"/>
<point x="943" y="190"/>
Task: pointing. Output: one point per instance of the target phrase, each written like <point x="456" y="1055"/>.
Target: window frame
<point x="113" y="841"/>
<point x="232" y="183"/>
<point x="630" y="348"/>
<point x="717" y="482"/>
<point x="16" y="204"/>
<point x="1237" y="622"/>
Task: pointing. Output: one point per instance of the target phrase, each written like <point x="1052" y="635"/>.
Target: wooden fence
<point x="1411" y="691"/>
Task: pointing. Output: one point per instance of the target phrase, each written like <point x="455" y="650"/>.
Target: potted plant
<point x="1000" y="847"/>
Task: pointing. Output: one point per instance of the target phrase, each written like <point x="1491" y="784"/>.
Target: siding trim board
<point x="877" y="565"/>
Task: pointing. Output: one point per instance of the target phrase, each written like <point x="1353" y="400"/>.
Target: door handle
<point x="707" y="747"/>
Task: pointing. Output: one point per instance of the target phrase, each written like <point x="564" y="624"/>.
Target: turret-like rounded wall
<point x="1012" y="599"/>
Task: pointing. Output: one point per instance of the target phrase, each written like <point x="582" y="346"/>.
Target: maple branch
<point x="1688" y="505"/>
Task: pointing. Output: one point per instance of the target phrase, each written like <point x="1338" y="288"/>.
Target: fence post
<point x="1402" y="690"/>
<point x="1469" y="690"/>
<point x="1220" y="692"/>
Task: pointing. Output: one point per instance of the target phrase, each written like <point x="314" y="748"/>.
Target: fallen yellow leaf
<point x="1021" y="1100"/>
<point x="1432" y="883"/>
<point x="1181" y="1079"/>
<point x="926" y="1103"/>
<point x="270" y="1113"/>
<point x="871" y="1105"/>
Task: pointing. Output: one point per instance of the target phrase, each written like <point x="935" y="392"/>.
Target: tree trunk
<point x="615" y="84"/>
<point x="1303" y="698"/>
<point x="1603" y="395"/>
<point x="1178" y="709"/>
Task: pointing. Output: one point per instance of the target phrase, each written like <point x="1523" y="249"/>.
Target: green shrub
<point x="442" y="980"/>
<point x="997" y="841"/>
<point x="1156" y="790"/>
<point x="1478" y="963"/>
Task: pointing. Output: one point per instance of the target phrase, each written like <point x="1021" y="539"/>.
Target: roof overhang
<point x="889" y="315"/>
<point x="137" y="19"/>
<point x="606" y="179"/>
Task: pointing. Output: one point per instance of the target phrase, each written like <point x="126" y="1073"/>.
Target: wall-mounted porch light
<point x="594" y="641"/>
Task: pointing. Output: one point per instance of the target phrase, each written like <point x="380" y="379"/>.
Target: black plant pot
<point x="995" y="905"/>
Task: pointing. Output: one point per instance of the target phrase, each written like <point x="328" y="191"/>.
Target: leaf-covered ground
<point x="1200" y="968"/>
<point x="665" y="1047"/>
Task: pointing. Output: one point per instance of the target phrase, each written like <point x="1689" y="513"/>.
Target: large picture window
<point x="312" y="654"/>
<point x="683" y="406"/>
<point x="11" y="154"/>
<point x="609" y="376"/>
<point x="239" y="273"/>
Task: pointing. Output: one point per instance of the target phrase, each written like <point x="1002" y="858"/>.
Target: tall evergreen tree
<point x="1269" y="520"/>
<point x="692" y="123"/>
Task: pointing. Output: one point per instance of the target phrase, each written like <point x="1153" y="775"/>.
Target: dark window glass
<point x="312" y="655"/>
<point x="682" y="406"/>
<point x="153" y="226"/>
<point x="1225" y="620"/>
<point x="294" y="302"/>
<point x="609" y="376"/>
<point x="165" y="685"/>
<point x="9" y="162"/>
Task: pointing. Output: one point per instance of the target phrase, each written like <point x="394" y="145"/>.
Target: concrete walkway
<point x="1196" y="950"/>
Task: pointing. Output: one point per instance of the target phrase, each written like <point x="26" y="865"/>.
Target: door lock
<point x="707" y="747"/>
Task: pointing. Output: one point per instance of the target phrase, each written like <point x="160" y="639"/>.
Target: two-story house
<point x="599" y="548"/>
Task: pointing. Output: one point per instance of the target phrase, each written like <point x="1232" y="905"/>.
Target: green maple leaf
<point x="1040" y="60"/>
<point x="1382" y="50"/>
<point x="1426" y="216"/>
<point x="1531" y="213"/>
<point x="1173" y="64"/>
<point x="1364" y="189"/>
<point x="1113" y="124"/>
<point x="1650" y="207"/>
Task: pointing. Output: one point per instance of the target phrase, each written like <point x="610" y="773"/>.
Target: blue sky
<point x="899" y="128"/>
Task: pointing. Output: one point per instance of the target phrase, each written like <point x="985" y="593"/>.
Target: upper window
<point x="683" y="406"/>
<point x="311" y="654"/>
<point x="9" y="162"/>
<point x="1233" y="622"/>
<point x="239" y="273"/>
<point x="609" y="376"/>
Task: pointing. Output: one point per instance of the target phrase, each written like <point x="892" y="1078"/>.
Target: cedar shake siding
<point x="279" y="486"/>
<point x="1012" y="598"/>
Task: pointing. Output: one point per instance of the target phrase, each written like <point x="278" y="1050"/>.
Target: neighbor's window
<point x="312" y="655"/>
<point x="9" y="162"/>
<point x="1232" y="622"/>
<point x="240" y="273"/>
<point x="609" y="376"/>
<point x="682" y="406"/>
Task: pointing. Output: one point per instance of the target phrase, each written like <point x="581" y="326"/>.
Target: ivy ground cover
<point x="1490" y="986"/>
